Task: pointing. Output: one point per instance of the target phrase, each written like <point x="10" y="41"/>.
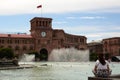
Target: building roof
<point x="112" y="38"/>
<point x="94" y="43"/>
<point x="44" y="18"/>
<point x="15" y="36"/>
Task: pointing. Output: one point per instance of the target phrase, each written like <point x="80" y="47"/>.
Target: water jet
<point x="69" y="55"/>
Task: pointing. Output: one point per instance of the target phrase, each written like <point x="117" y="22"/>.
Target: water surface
<point x="54" y="71"/>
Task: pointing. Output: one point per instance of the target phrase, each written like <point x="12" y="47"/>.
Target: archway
<point x="43" y="55"/>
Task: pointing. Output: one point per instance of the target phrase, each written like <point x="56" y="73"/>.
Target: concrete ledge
<point x="97" y="78"/>
<point x="17" y="67"/>
<point x="8" y="63"/>
<point x="112" y="77"/>
<point x="115" y="76"/>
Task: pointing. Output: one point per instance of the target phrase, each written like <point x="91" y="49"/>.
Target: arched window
<point x="31" y="47"/>
<point x="24" y="48"/>
<point x="119" y="51"/>
<point x="1" y="46"/>
<point x="37" y="23"/>
<point x="9" y="41"/>
<point x="38" y="41"/>
<point x="24" y="41"/>
<point x="17" y="48"/>
<point x="17" y="41"/>
<point x="3" y="41"/>
<point x="105" y="44"/>
<point x="9" y="46"/>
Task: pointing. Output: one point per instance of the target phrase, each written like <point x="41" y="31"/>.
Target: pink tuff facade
<point x="43" y="38"/>
<point x="111" y="46"/>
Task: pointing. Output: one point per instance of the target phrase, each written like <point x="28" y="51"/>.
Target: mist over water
<point x="69" y="55"/>
<point x="62" y="55"/>
<point x="27" y="58"/>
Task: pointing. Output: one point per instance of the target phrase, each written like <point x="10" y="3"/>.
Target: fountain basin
<point x="54" y="71"/>
<point x="23" y="66"/>
<point x="8" y="63"/>
<point x="112" y="77"/>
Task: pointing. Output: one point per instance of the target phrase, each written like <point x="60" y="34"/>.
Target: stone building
<point x="111" y="46"/>
<point x="95" y="47"/>
<point x="43" y="39"/>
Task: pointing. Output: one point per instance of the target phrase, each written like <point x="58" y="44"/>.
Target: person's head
<point x="101" y="58"/>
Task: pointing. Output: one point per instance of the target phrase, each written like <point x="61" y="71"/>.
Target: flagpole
<point x="41" y="11"/>
<point x="40" y="6"/>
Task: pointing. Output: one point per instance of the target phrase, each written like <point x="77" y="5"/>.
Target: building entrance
<point x="43" y="55"/>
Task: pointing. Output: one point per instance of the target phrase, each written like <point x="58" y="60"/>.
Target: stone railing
<point x="6" y="63"/>
<point x="112" y="77"/>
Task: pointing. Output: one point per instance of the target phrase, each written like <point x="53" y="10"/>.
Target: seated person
<point x="101" y="68"/>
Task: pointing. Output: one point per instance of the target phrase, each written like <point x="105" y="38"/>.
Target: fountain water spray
<point x="27" y="58"/>
<point x="69" y="55"/>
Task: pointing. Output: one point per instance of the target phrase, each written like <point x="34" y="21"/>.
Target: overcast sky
<point x="95" y="19"/>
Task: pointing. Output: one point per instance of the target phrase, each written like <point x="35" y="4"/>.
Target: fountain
<point x="9" y="63"/>
<point x="69" y="55"/>
<point x="27" y="58"/>
<point x="69" y="64"/>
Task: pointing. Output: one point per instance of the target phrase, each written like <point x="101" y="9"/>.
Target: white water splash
<point x="27" y="58"/>
<point x="69" y="55"/>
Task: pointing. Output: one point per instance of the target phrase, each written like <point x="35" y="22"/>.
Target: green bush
<point x="93" y="56"/>
<point x="33" y="52"/>
<point x="6" y="53"/>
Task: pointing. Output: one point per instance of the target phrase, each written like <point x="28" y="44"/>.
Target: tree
<point x="93" y="56"/>
<point x="6" y="53"/>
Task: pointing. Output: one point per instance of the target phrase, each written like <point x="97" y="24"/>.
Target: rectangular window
<point x="3" y="41"/>
<point x="17" y="41"/>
